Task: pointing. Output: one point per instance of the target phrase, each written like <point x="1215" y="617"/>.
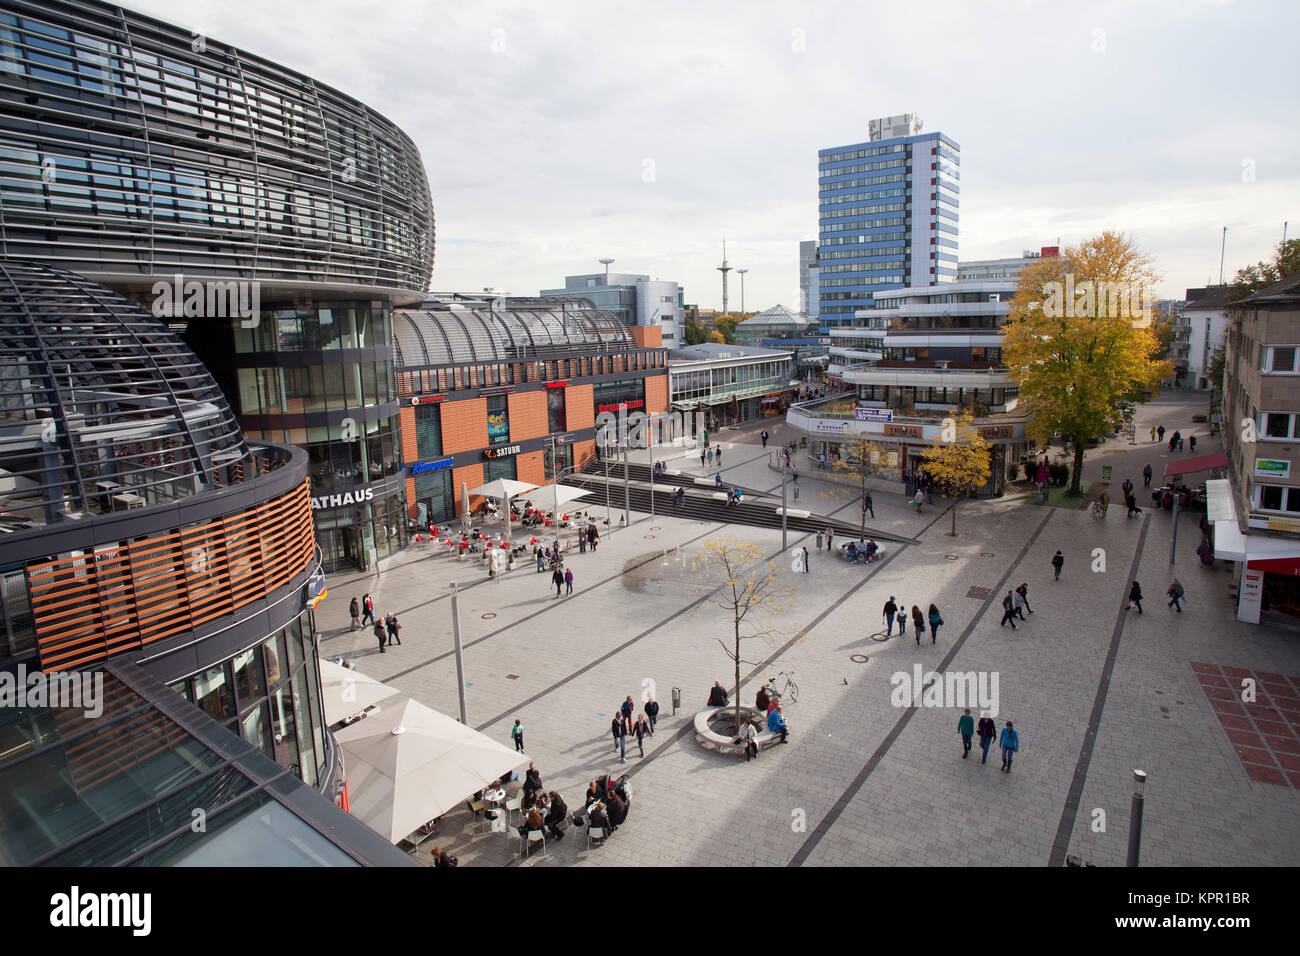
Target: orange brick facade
<point x="464" y="427"/>
<point x="583" y="452"/>
<point x="531" y="467"/>
<point x="527" y="416"/>
<point x="656" y="393"/>
<point x="579" y="407"/>
<point x="472" y="477"/>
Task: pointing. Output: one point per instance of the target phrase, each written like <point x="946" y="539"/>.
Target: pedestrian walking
<point x="1180" y="444"/>
<point x="702" y="452"/>
<point x="1058" y="562"/>
<point x="568" y="581"/>
<point x="820" y="536"/>
<point x="901" y="617"/>
<point x="709" y="455"/>
<point x="1128" y="487"/>
<point x="517" y="735"/>
<point x="620" y="738"/>
<point x="394" y="629"/>
<point x="368" y="606"/>
<point x="1153" y="434"/>
<point x="1023" y="591"/>
<point x="987" y="731"/>
<point x="822" y="461"/>
<point x="1193" y="441"/>
<point x="1135" y="597"/>
<point x="593" y="536"/>
<point x="1010" y="746"/>
<point x="806" y="569"/>
<point x="1019" y="603"/>
<point x="1161" y="432"/>
<point x="354" y="609"/>
<point x="541" y="560"/>
<point x="642" y="730"/>
<point x="794" y="475"/>
<point x="1008" y="611"/>
<point x="966" y="727"/>
<point x="764" y="437"/>
<point x="830" y="538"/>
<point x="717" y="456"/>
<point x="889" y="611"/>
<point x="787" y="458"/>
<point x="918" y="623"/>
<point x="936" y="621"/>
<point x="582" y="543"/>
<point x="557" y="578"/>
<point x="1175" y="593"/>
<point x="652" y="712"/>
<point x="380" y="635"/>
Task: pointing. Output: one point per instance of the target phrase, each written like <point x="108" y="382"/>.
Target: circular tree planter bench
<point x="712" y="724"/>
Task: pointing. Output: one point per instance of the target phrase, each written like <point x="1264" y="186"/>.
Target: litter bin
<point x="677" y="699"/>
<point x="820" y="538"/>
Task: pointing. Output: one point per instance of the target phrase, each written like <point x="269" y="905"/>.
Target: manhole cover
<point x="489" y="615"/>
<point x="858" y="658"/>
<point x="512" y="677"/>
<point x="655" y="527"/>
<point x="647" y="536"/>
<point x="980" y="593"/>
<point x="987" y="554"/>
<point x="950" y="557"/>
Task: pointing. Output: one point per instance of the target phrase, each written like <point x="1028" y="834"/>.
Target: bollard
<point x="677" y="699"/>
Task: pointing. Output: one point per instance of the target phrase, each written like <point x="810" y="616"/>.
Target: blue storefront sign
<point x="874" y="414"/>
<point x="421" y="467"/>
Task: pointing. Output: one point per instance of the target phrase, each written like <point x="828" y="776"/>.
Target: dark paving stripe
<point x="688" y="729"/>
<point x="822" y="828"/>
<point x="1066" y="827"/>
<point x="550" y="606"/>
<point x="654" y="627"/>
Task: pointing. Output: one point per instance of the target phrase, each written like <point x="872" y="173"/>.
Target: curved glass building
<point x="272" y="221"/>
<point x="145" y="542"/>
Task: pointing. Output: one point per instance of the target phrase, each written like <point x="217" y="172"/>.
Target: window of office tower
<point x="327" y="325"/>
<point x="498" y="420"/>
<point x="555" y="409"/>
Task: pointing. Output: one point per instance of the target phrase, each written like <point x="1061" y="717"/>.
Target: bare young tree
<point x="746" y="587"/>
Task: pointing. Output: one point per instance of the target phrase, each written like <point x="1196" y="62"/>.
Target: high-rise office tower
<point x="888" y="215"/>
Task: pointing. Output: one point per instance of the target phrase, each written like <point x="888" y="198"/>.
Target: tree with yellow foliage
<point x="958" y="461"/>
<point x="1079" y="340"/>
<point x="716" y="336"/>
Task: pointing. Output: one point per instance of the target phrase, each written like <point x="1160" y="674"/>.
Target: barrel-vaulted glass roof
<point x="450" y="333"/>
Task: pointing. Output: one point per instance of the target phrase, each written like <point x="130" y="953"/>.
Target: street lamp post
<point x="650" y="443"/>
<point x="627" y="489"/>
<point x="741" y="273"/>
<point x="460" y="656"/>
<point x="1135" y="817"/>
<point x="784" y="540"/>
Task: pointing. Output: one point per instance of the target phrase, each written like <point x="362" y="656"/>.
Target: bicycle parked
<point x="789" y="688"/>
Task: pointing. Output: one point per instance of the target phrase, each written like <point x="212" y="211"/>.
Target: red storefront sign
<point x="1277" y="565"/>
<point x="635" y="403"/>
<point x="557" y="384"/>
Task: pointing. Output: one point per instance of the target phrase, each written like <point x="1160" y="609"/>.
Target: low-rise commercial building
<point x="1256" y="512"/>
<point x="511" y="388"/>
<point x="731" y="383"/>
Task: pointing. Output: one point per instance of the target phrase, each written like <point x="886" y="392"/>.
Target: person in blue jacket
<point x="1010" y="742"/>
<point x="776" y="723"/>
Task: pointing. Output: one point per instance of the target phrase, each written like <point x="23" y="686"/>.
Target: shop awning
<point x="1201" y="463"/>
<point x="1262" y="551"/>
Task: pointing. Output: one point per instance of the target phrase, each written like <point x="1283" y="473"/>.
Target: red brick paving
<point x="1265" y="733"/>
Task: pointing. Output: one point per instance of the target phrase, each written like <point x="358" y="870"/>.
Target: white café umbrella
<point x="503" y="489"/>
<point x="411" y="764"/>
<point x="346" y="692"/>
<point x="555" y="497"/>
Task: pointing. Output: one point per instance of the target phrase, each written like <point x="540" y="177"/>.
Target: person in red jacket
<point x="987" y="730"/>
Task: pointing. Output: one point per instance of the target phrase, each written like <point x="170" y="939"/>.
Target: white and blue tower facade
<point x="888" y="215"/>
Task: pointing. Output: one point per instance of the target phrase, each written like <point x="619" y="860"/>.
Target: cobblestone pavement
<point x="1095" y="690"/>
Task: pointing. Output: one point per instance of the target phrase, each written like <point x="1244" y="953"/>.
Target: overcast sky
<point x="558" y="133"/>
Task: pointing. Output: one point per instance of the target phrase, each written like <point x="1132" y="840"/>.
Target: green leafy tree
<point x="695" y="333"/>
<point x="1286" y="261"/>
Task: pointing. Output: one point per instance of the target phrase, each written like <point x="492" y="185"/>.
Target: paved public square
<point x="1095" y="690"/>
